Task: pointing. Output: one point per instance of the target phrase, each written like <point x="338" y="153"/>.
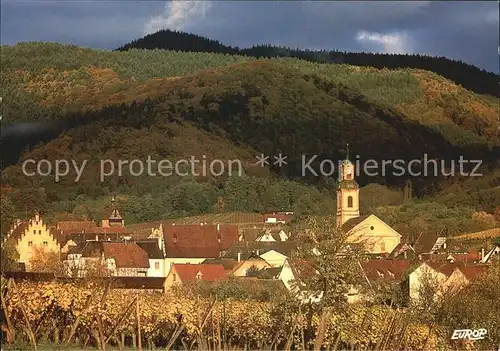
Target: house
<point x="403" y="251"/>
<point x="278" y="217"/>
<point x="274" y="253"/>
<point x="429" y="276"/>
<point x="146" y="230"/>
<point x="376" y="269"/>
<point x="34" y="234"/>
<point x="72" y="237"/>
<point x="463" y="275"/>
<point x="75" y="226"/>
<point x="472" y="256"/>
<point x="156" y="255"/>
<point x="430" y="243"/>
<point x="381" y="275"/>
<point x="180" y="274"/>
<point x="377" y="236"/>
<point x="228" y="264"/>
<point x="270" y="236"/>
<point x="272" y="273"/>
<point x="241" y="269"/>
<point x="291" y="274"/>
<point x="494" y="252"/>
<point x="113" y="258"/>
<point x="195" y="243"/>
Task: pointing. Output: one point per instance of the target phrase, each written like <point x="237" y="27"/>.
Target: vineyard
<point x="485" y="234"/>
<point x="95" y="314"/>
<point x="235" y="218"/>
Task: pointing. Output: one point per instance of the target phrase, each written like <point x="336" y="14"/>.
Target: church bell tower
<point x="347" y="193"/>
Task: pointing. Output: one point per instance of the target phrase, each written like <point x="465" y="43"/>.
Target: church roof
<point x="351" y="223"/>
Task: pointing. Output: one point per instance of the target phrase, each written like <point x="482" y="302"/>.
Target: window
<point x="40" y="232"/>
<point x="382" y="246"/>
<point x="30" y="243"/>
<point x="174" y="277"/>
<point x="372" y="227"/>
<point x="45" y="243"/>
<point x="34" y="231"/>
<point x="349" y="201"/>
<point x="199" y="275"/>
<point x="157" y="266"/>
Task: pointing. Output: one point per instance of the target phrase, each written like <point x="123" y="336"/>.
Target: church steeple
<point x="347" y="193"/>
<point x="114" y="219"/>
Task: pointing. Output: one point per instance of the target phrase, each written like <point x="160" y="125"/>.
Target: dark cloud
<point x="465" y="31"/>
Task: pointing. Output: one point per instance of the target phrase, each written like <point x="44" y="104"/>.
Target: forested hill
<point x="468" y="76"/>
<point x="90" y="105"/>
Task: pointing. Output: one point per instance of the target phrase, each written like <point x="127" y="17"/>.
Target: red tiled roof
<point x="383" y="268"/>
<point x="198" y="241"/>
<point x="75" y="226"/>
<point x="209" y="272"/>
<point x="470" y="256"/>
<point x="471" y="272"/>
<point x="126" y="255"/>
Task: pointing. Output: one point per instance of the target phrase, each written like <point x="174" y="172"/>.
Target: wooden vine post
<point x="138" y="312"/>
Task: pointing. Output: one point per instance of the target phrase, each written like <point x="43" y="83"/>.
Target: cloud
<point x="391" y="43"/>
<point x="178" y="14"/>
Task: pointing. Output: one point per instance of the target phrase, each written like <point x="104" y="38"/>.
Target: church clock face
<point x="348" y="171"/>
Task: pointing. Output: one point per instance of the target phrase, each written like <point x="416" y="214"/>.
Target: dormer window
<point x="380" y="274"/>
<point x="175" y="238"/>
<point x="199" y="275"/>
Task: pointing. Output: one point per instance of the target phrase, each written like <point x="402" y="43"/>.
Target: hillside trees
<point x="8" y="252"/>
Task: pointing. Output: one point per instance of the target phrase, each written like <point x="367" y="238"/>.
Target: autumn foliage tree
<point x="330" y="267"/>
<point x="46" y="261"/>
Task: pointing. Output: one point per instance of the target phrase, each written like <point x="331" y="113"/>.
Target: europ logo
<point x="470" y="334"/>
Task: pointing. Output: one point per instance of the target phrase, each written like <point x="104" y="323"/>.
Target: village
<point x="161" y="254"/>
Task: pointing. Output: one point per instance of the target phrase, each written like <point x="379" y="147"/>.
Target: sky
<point x="467" y="31"/>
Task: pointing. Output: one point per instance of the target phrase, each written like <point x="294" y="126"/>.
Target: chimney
<point x="482" y="253"/>
<point x="239" y="256"/>
<point x="96" y="237"/>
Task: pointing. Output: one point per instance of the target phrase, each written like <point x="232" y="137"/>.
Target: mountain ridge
<point x="467" y="75"/>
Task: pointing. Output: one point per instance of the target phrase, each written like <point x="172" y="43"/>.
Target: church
<point x="377" y="236"/>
